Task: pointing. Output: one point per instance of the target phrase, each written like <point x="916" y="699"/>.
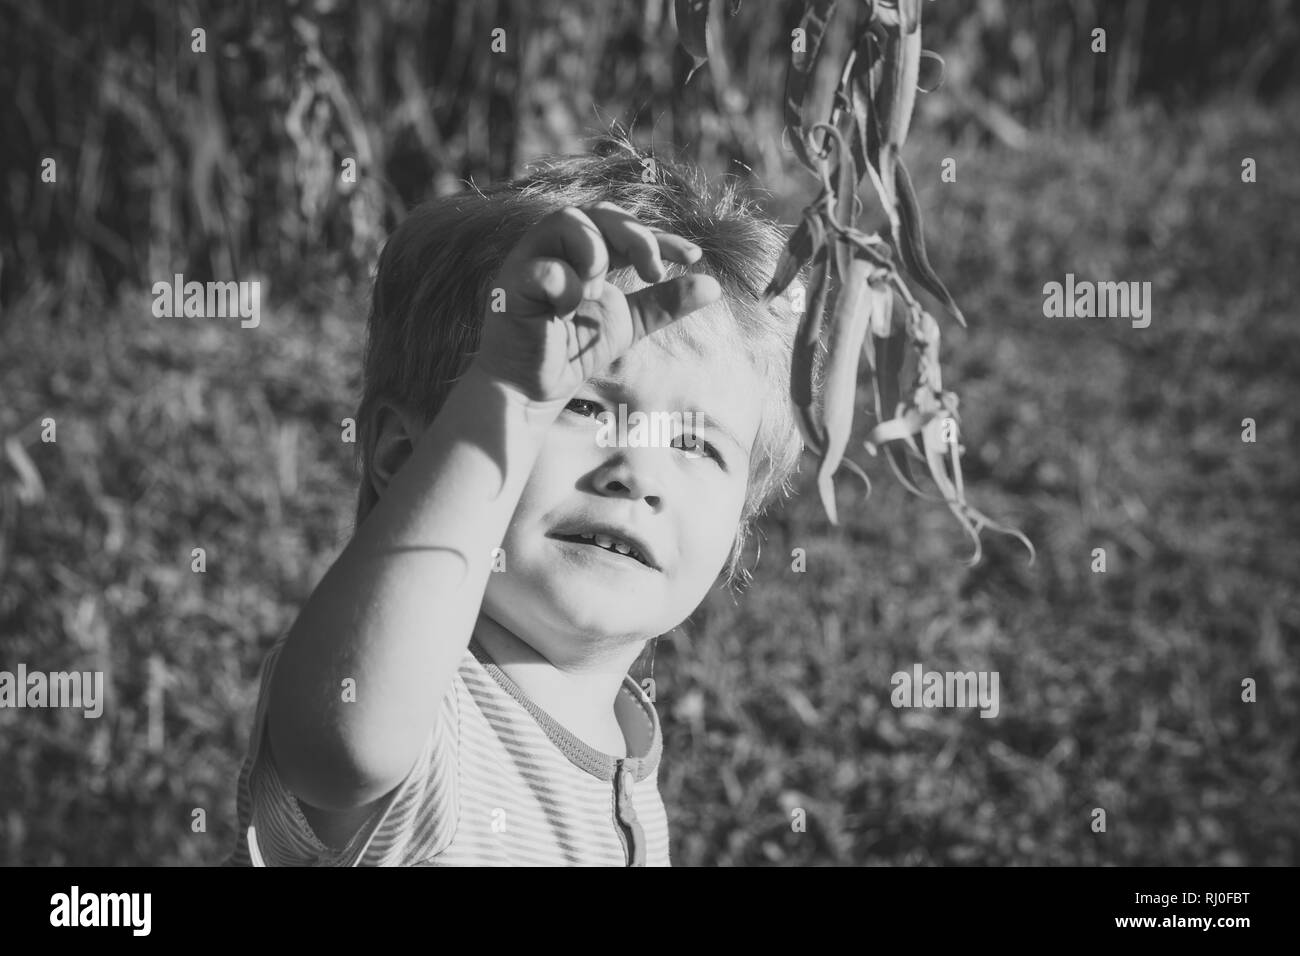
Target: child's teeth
<point x="605" y="541"/>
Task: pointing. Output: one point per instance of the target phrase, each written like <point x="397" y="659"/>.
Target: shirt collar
<point x="636" y="715"/>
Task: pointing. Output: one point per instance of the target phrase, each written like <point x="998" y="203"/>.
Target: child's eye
<point x="699" y="444"/>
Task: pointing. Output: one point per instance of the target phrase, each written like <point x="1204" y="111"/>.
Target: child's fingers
<point x="546" y="286"/>
<point x="570" y="235"/>
<point x="631" y="242"/>
<point x="658" y="305"/>
<point x="677" y="249"/>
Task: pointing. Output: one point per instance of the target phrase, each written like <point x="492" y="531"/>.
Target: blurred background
<point x="1119" y="690"/>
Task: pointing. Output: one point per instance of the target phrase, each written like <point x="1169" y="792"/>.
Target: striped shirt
<point x="498" y="783"/>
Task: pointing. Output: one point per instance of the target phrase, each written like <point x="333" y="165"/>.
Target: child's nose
<point x="636" y="473"/>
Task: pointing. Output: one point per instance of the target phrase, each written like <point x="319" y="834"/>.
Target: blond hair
<point x="430" y="293"/>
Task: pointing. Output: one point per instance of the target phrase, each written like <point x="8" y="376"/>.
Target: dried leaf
<point x="692" y="30"/>
<point x="932" y="439"/>
<point x="884" y="351"/>
<point x="868" y="69"/>
<point x="846" y="194"/>
<point x="895" y="438"/>
<point x="880" y="320"/>
<point x="853" y="307"/>
<point x="895" y="93"/>
<point x="803" y="67"/>
<point x="807" y="238"/>
<point x="932" y="436"/>
<point x="897" y="459"/>
<point x="860" y="104"/>
<point x="805" y="353"/>
<point x="911" y="244"/>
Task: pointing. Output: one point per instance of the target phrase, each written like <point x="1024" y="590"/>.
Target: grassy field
<point x="1119" y="690"/>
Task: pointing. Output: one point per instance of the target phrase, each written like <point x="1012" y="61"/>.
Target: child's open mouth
<point x="603" y="542"/>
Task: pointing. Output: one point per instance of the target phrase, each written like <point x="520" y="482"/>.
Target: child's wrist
<point x="535" y="411"/>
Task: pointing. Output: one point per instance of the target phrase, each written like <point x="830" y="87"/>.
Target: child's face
<point x="570" y="599"/>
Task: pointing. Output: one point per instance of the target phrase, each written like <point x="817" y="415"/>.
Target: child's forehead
<point x="706" y="350"/>
<point x="710" y="335"/>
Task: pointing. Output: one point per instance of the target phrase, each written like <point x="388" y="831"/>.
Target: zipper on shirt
<point x="629" y="826"/>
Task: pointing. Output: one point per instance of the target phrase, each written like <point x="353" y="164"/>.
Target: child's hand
<point x="562" y="322"/>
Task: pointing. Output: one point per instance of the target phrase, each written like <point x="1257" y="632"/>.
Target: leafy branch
<point x="862" y="138"/>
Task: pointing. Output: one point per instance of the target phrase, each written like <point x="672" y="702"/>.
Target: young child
<point x="439" y="701"/>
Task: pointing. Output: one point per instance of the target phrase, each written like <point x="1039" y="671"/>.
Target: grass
<point x="1118" y="690"/>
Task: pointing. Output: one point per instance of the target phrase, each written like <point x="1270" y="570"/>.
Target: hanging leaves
<point x="803" y="68"/>
<point x="875" y="314"/>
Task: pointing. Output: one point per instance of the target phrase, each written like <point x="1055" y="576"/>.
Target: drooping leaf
<point x="805" y="353"/>
<point x="868" y="68"/>
<point x="895" y="438"/>
<point x="692" y="30"/>
<point x="911" y="244"/>
<point x="971" y="520"/>
<point x="897" y="458"/>
<point x="846" y="194"/>
<point x="858" y="139"/>
<point x="803" y="68"/>
<point x="882" y="98"/>
<point x="892" y="104"/>
<point x="885" y="347"/>
<point x="868" y="343"/>
<point x="807" y="238"/>
<point x="819" y="290"/>
<point x="853" y="307"/>
<point x="932" y="438"/>
<point x="906" y="62"/>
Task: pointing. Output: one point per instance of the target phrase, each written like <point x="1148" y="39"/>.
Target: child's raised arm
<point x="396" y="610"/>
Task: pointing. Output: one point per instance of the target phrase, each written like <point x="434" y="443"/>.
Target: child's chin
<point x="599" y="605"/>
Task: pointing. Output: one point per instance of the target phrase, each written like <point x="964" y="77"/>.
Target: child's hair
<point x="431" y="290"/>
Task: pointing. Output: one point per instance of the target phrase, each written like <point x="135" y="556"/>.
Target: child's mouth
<point x="611" y="546"/>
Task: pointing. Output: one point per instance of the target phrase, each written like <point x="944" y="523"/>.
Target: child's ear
<point x="395" y="434"/>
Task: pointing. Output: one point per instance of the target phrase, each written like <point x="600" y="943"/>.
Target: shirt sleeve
<point x="417" y="820"/>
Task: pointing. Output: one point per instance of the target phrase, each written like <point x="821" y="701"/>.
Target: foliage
<point x="219" y="165"/>
<point x="1119" y="690"/>
<point x="866" y="103"/>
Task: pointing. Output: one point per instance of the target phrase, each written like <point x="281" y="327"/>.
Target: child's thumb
<point x="663" y="303"/>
